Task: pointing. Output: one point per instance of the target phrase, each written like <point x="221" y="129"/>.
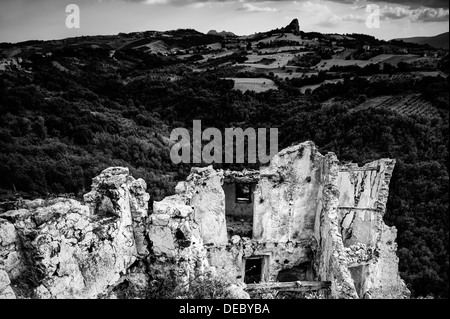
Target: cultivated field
<point x="214" y="46"/>
<point x="215" y="55"/>
<point x="404" y="75"/>
<point x="156" y="47"/>
<point x="253" y="84"/>
<point x="382" y="58"/>
<point x="282" y="37"/>
<point x="281" y="49"/>
<point x="412" y="104"/>
<point x="325" y="65"/>
<point x="394" y="59"/>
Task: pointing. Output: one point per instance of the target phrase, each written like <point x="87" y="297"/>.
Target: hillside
<point x="439" y="41"/>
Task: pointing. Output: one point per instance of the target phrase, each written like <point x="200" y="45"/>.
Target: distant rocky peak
<point x="293" y="27"/>
<point x="223" y="33"/>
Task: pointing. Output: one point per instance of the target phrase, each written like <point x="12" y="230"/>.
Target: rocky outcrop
<point x="293" y="27"/>
<point x="63" y="248"/>
<point x="76" y="250"/>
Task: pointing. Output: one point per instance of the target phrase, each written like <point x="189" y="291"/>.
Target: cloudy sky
<point x="22" y="20"/>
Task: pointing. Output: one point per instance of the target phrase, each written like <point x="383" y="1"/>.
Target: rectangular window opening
<point x="255" y="269"/>
<point x="243" y="192"/>
<point x="239" y="208"/>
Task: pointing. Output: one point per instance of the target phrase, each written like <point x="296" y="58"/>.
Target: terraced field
<point x="412" y="104"/>
<point x="215" y="55"/>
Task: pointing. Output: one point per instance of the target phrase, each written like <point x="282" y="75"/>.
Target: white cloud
<point x="154" y="1"/>
<point x="318" y="12"/>
<point x="415" y="15"/>
<point x="252" y="8"/>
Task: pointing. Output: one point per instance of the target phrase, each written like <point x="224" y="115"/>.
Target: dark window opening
<point x="297" y="273"/>
<point x="239" y="208"/>
<point x="253" y="270"/>
<point x="243" y="192"/>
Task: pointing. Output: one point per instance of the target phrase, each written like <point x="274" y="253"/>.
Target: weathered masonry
<point x="303" y="223"/>
<point x="304" y="217"/>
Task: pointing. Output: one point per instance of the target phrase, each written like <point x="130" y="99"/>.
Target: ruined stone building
<point x="303" y="218"/>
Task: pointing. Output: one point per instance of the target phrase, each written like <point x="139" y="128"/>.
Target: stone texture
<point x="236" y="291"/>
<point x="11" y="258"/>
<point x="351" y="229"/>
<point x="179" y="226"/>
<point x="331" y="257"/>
<point x="6" y="291"/>
<point x="293" y="27"/>
<point x="115" y="191"/>
<point x="77" y="250"/>
<point x="286" y="196"/>
<point x="382" y="279"/>
<point x="176" y="240"/>
<point x="308" y="211"/>
<point x="245" y="176"/>
<point x="203" y="191"/>
<point x="170" y="227"/>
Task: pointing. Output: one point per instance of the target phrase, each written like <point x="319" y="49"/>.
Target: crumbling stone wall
<point x="286" y="196"/>
<point x="175" y="236"/>
<point x="203" y="191"/>
<point x="229" y="258"/>
<point x="329" y="253"/>
<point x="308" y="208"/>
<point x="362" y="204"/>
<point x="352" y="232"/>
<point x="179" y="227"/>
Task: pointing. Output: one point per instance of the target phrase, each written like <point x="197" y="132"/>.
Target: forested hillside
<point x="83" y="110"/>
